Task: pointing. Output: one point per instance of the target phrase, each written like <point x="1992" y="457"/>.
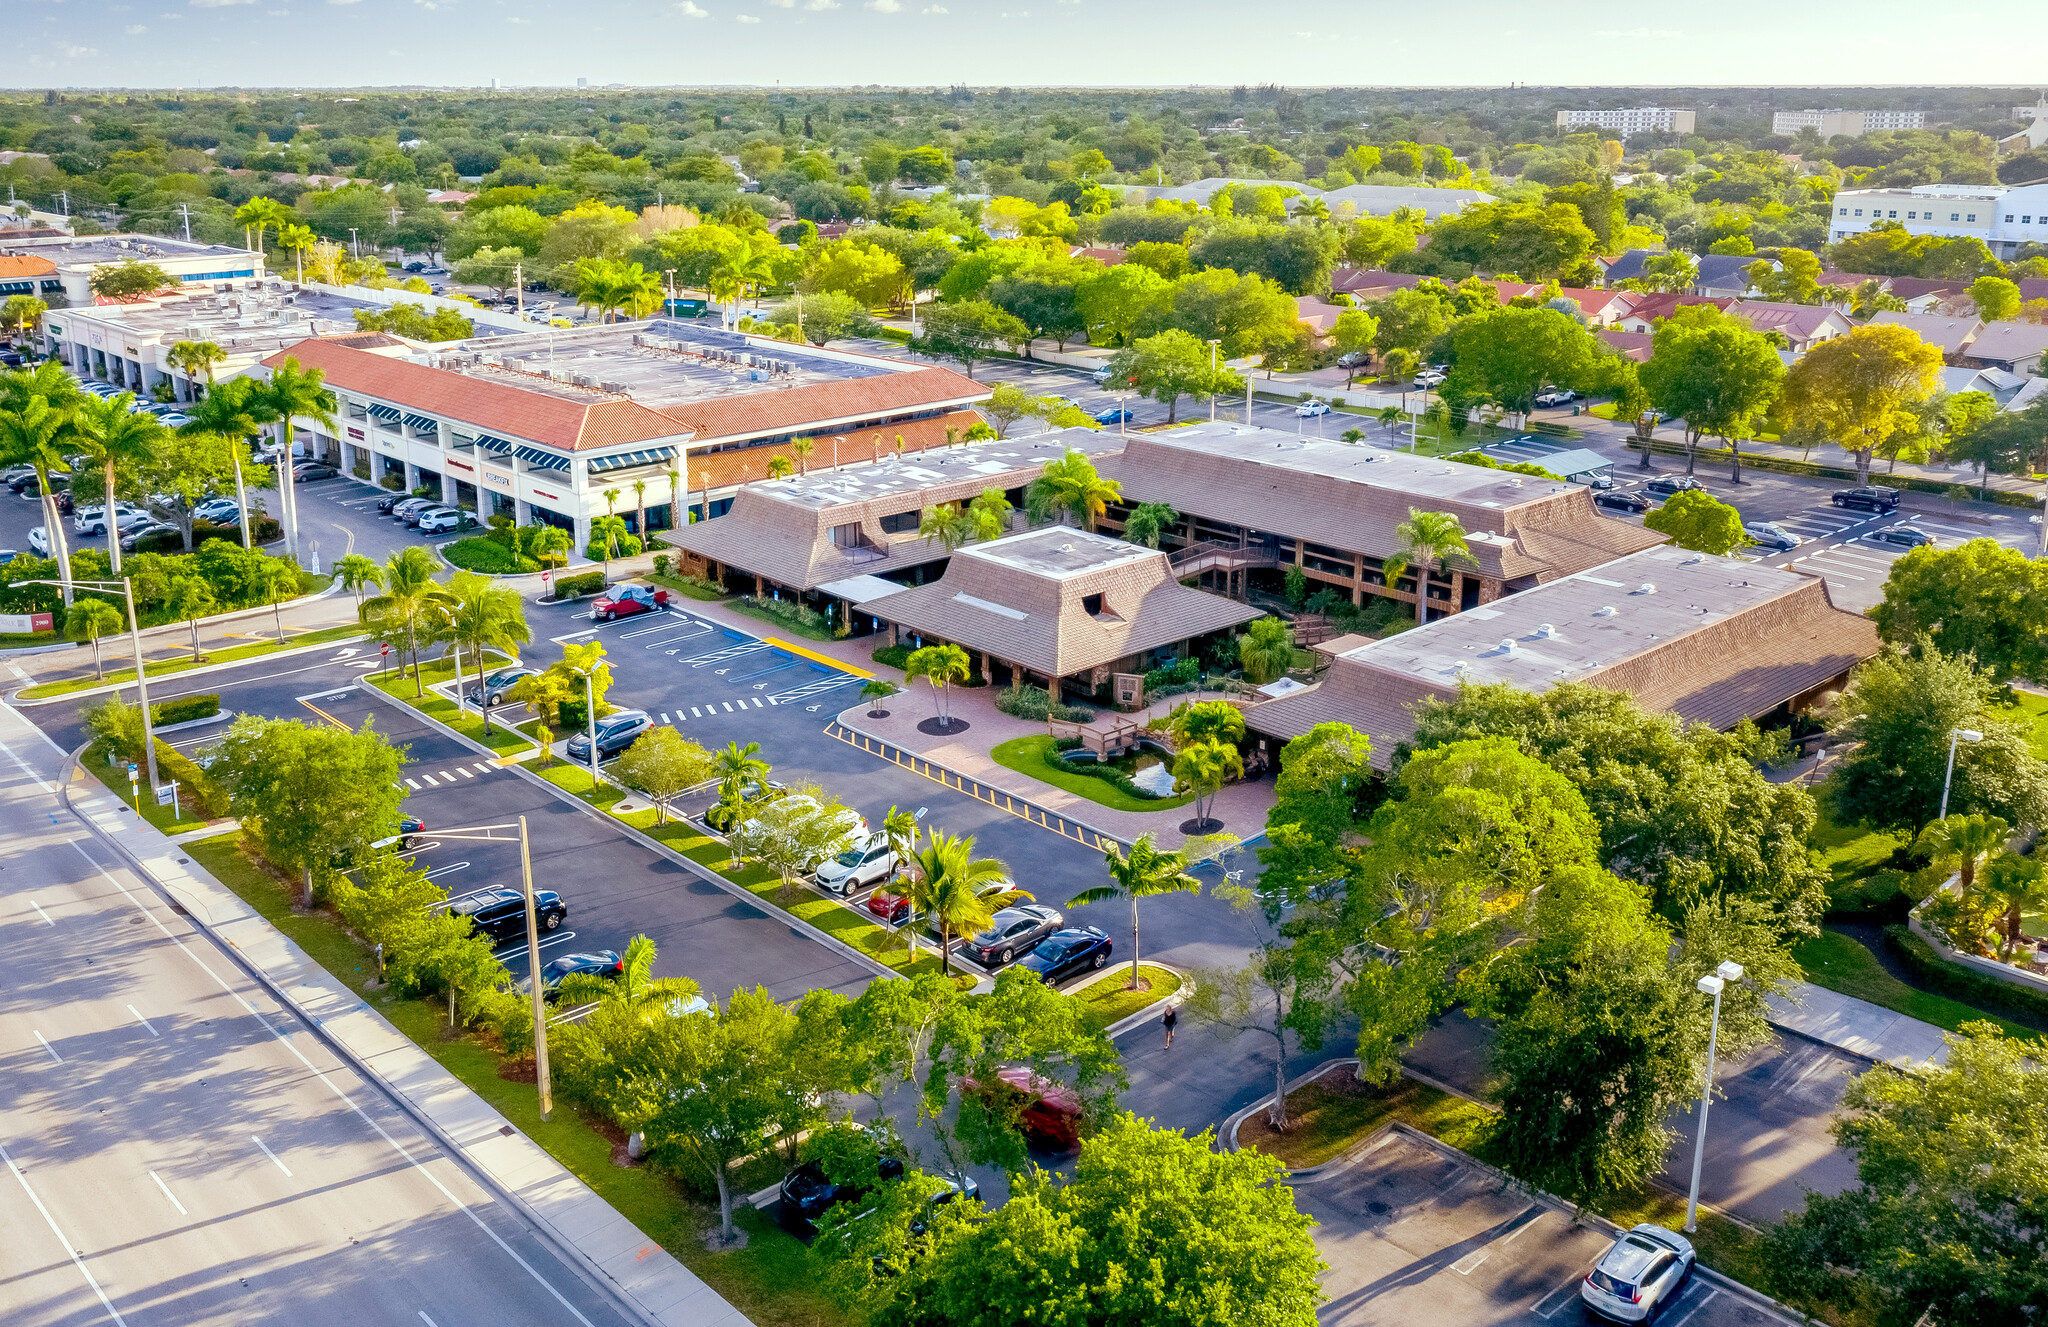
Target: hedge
<point x="1020" y="700"/>
<point x="571" y="587"/>
<point x="264" y="529"/>
<point x="1953" y="979"/>
<point x="481" y="553"/>
<point x="1109" y="774"/>
<point x="185" y="708"/>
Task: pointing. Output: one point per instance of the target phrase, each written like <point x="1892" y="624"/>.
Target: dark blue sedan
<point x="603" y="963"/>
<point x="1116" y="415"/>
<point x="1065" y="953"/>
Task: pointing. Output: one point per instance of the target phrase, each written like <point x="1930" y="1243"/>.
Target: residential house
<point x="1720" y="274"/>
<point x="1804" y="326"/>
<point x="1951" y="336"/>
<point x="1632" y="346"/>
<point x="1923" y="294"/>
<point x="1647" y="310"/>
<point x="2015" y="347"/>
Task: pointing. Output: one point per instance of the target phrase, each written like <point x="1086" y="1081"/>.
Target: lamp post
<point x="1954" y="734"/>
<point x="127" y="588"/>
<point x="1212" y="373"/>
<point x="1708" y="985"/>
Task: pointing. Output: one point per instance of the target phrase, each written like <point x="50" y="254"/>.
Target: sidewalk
<point x="1859" y="1027"/>
<point x="566" y="1212"/>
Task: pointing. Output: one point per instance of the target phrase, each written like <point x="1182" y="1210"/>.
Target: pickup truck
<point x="626" y="600"/>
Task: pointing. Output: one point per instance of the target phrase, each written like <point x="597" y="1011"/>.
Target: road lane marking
<point x="51" y="1222"/>
<point x="1710" y="1295"/>
<point x="696" y="713"/>
<point x="40" y="913"/>
<point x="412" y="784"/>
<point x="465" y="771"/>
<point x="429" y="1321"/>
<point x="168" y="1194"/>
<point x="145" y="1022"/>
<point x="272" y="1155"/>
<point x="48" y="1047"/>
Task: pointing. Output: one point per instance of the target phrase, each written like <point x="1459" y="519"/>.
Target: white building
<point x="1845" y="124"/>
<point x="1628" y="122"/>
<point x="218" y="266"/>
<point x="2004" y="218"/>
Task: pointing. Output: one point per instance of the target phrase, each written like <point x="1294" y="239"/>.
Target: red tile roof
<point x="823" y="407"/>
<point x="722" y="469"/>
<point x="13" y="267"/>
<point x="1629" y="345"/>
<point x="493" y="407"/>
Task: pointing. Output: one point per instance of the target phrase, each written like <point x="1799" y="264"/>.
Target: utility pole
<point x="354" y="250"/>
<point x="186" y="208"/>
<point x="1212" y="374"/>
<point x="540" y="1007"/>
<point x="519" y="291"/>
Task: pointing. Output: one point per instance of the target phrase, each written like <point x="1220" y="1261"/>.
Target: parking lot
<point x="1416" y="1234"/>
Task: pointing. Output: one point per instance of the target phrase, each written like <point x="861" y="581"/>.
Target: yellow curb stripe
<point x="825" y="659"/>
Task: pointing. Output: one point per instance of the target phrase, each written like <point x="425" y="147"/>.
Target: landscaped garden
<point x="1036" y="757"/>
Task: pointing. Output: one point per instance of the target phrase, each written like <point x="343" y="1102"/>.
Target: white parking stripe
<point x="484" y="767"/>
<point x="464" y="771"/>
<point x="1711" y="1294"/>
<point x="412" y="784"/>
<point x="447" y="777"/>
<point x="664" y="716"/>
<point x="728" y="707"/>
<point x="696" y="713"/>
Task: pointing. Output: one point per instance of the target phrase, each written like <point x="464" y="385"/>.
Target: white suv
<point x="1642" y="1275"/>
<point x="872" y="861"/>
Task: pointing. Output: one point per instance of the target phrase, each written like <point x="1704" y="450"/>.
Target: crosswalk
<point x="715" y="708"/>
<point x="436" y="778"/>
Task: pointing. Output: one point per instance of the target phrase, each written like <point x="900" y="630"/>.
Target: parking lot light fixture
<point x="1954" y="734"/>
<point x="127" y="588"/>
<point x="1712" y="984"/>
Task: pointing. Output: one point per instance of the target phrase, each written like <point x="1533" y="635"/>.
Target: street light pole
<point x="540" y="1008"/>
<point x="1967" y="735"/>
<point x="1708" y="985"/>
<point x="1212" y="374"/>
<point x="590" y="719"/>
<point x="127" y="587"/>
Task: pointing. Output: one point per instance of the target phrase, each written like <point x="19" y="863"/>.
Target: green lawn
<point x="170" y="667"/>
<point x="1842" y="964"/>
<point x="1852" y="851"/>
<point x="1109" y="1003"/>
<point x="502" y="738"/>
<point x="1028" y="755"/>
<point x="686" y="588"/>
<point x="1327" y="1119"/>
<point x="115" y="778"/>
<point x="769" y="1281"/>
<point x="2033" y="709"/>
<point x="21" y="640"/>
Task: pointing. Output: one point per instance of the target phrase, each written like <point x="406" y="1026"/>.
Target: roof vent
<point x="1514" y="483"/>
<point x="1066" y="548"/>
<point x="1647" y="587"/>
<point x="1607" y="610"/>
<point x="1546" y="631"/>
<point x="1507" y="645"/>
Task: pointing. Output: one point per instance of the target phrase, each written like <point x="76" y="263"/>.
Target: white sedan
<point x="1310" y="409"/>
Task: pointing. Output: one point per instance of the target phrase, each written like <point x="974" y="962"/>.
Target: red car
<point x="891" y="908"/>
<point x="626" y="600"/>
<point x="1047" y="1113"/>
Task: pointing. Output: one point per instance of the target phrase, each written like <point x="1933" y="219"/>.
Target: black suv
<point x="501" y="913"/>
<point x="806" y="1193"/>
<point x="1667" y="486"/>
<point x="1633" y="503"/>
<point x="1873" y="498"/>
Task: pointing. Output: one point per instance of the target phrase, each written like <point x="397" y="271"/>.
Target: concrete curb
<point x="218" y="716"/>
<point x="570" y="1253"/>
<point x="1151" y="1013"/>
<point x="797" y="924"/>
<point x="19" y="703"/>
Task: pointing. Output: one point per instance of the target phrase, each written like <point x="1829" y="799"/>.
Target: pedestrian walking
<point x="1172" y="1017"/>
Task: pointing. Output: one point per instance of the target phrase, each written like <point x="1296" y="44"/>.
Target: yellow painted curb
<point x="825" y="659"/>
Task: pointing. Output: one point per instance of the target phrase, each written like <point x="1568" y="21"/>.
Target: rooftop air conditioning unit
<point x="1647" y="587"/>
<point x="1608" y="610"/>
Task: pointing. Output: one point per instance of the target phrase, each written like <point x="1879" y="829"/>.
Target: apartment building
<point x="1631" y="121"/>
<point x="2004" y="218"/>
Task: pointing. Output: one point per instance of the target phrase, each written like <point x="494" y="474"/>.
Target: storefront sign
<point x="22" y="624"/>
<point x="462" y="465"/>
<point x="357" y="434"/>
<point x="496" y="480"/>
<point x="543" y="493"/>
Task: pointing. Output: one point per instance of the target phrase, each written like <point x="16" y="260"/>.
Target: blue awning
<point x="626" y="461"/>
<point x="423" y="423"/>
<point x="496" y="446"/>
<point x="542" y="460"/>
<point x="385" y="414"/>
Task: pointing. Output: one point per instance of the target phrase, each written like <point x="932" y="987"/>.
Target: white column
<point x="581" y="537"/>
<point x="522" y="514"/>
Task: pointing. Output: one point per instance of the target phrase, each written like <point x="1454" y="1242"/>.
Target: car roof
<point x="481" y="898"/>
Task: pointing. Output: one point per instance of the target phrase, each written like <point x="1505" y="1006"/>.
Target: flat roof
<point x="252" y="319"/>
<point x="1058" y="552"/>
<point x="824" y="488"/>
<point x="660" y="363"/>
<point x="1580" y="623"/>
<point x="73" y="250"/>
<point x="1359" y="463"/>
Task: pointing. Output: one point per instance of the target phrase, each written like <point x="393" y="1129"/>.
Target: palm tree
<point x="640" y="503"/>
<point x="946" y="524"/>
<point x="677" y="517"/>
<point x="483" y="615"/>
<point x="543" y="693"/>
<point x="1312" y="209"/>
<point x="357" y="571"/>
<point x="1145" y="872"/>
<point x="1205" y="767"/>
<point x="106" y="430"/>
<point x="959" y="890"/>
<point x="1148" y="521"/>
<point x="411" y="601"/>
<point x="902" y="830"/>
<point x="940" y="665"/>
<point x="780" y="467"/>
<point x="193" y="358"/>
<point x="636" y="990"/>
<point x="295" y="393"/>
<point x="1963" y="843"/>
<point x="1266" y="650"/>
<point x="1429" y="541"/>
<point x="260" y="214"/>
<point x="38" y="434"/>
<point x="297" y="239"/>
<point x="2019" y="887"/>
<point x="736" y="768"/>
<point x="1068" y="486"/>
<point x="230" y="413"/>
<point x="991" y="513"/>
<point x="188" y="599"/>
<point x="90" y="619"/>
<point x="875" y="691"/>
<point x="740" y="271"/>
<point x="801" y="449"/>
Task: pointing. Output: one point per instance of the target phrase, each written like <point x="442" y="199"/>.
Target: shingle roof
<point x="826" y="406"/>
<point x="1633" y="346"/>
<point x="493" y="407"/>
<point x="1914" y="287"/>
<point x="2005" y="342"/>
<point x="1797" y="321"/>
<point x="1949" y="335"/>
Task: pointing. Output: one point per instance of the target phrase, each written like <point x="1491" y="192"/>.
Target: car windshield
<point x="851" y="857"/>
<point x="1052" y="953"/>
<point x="1613" y="1287"/>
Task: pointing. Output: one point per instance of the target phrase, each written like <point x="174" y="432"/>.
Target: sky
<point x="986" y="43"/>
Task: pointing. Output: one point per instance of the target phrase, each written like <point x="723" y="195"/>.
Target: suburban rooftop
<point x="1058" y="552"/>
<point x="659" y="363"/>
<point x="1580" y="623"/>
<point x="824" y="488"/>
<point x="255" y="318"/>
<point x="69" y="250"/>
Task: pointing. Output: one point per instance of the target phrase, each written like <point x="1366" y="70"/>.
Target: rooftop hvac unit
<point x="642" y="339"/>
<point x="615" y="388"/>
<point x="586" y="380"/>
<point x="491" y="360"/>
<point x="560" y="375"/>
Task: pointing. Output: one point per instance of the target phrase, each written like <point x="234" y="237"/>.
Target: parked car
<point x="1873" y="498"/>
<point x="135" y="536"/>
<point x="389" y="501"/>
<point x="1049" y="1113"/>
<point x="601" y="963"/>
<point x="1765" y="534"/>
<point x="1644" y="1273"/>
<point x="1633" y="503"/>
<point x="15" y="474"/>
<point x="615" y="732"/>
<point x="806" y="1193"/>
<point x="1556" y="396"/>
<point x="1900" y="536"/>
<point x="1430" y="378"/>
<point x="409" y="829"/>
<point x="26" y="486"/>
<point x="307" y="472"/>
<point x="1352" y="359"/>
<point x="408" y="509"/>
<point x="494" y="687"/>
<point x="1116" y="415"/>
<point x="415" y="267"/>
<point x="221" y="511"/>
<point x="501" y="913"/>
<point x="858" y="866"/>
<point x="96" y="521"/>
<point x="1101" y="374"/>
<point x="626" y="600"/>
<point x="1310" y="409"/>
<point x="1065" y="953"/>
<point x="8" y="555"/>
<point x="39" y="542"/>
<point x="1014" y="931"/>
<point x="891" y="906"/>
<point x="1669" y="486"/>
<point x="440" y="520"/>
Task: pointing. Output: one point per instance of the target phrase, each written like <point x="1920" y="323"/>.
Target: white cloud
<point x="690" y="10"/>
<point x="783" y="4"/>
<point x="521" y="21"/>
<point x="933" y="9"/>
<point x="884" y="6"/>
<point x="135" y="29"/>
<point x="344" y="2"/>
<point x="819" y="6"/>
<point x="749" y="18"/>
<point x="219" y="4"/>
<point x="77" y="52"/>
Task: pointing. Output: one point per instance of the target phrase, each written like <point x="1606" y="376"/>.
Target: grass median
<point x="1107" y="1002"/>
<point x="172" y="667"/>
<point x="503" y="738"/>
<point x="769" y="1281"/>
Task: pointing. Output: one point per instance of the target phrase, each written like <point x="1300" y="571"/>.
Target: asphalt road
<point x="181" y="1150"/>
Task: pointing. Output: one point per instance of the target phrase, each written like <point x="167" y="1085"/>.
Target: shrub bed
<point x="1953" y="979"/>
<point x="1021" y="700"/>
<point x="491" y="557"/>
<point x="790" y="611"/>
<point x="184" y="709"/>
<point x="573" y="587"/>
<point x="264" y="529"/>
